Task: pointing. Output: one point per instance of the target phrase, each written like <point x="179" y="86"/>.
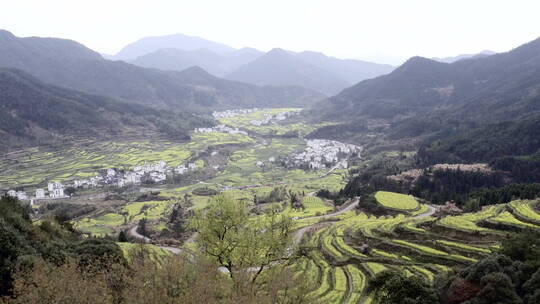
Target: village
<point x="233" y="113"/>
<point x="271" y="118"/>
<point x="112" y="177"/>
<point x="220" y="129"/>
<point x="321" y="154"/>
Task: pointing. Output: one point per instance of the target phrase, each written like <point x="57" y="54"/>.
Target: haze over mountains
<point x="422" y="96"/>
<point x="69" y="64"/>
<point x="488" y="105"/>
<point x="465" y="89"/>
<point x="174" y="59"/>
<point x="308" y="69"/>
<point x="464" y="56"/>
<point x="149" y="45"/>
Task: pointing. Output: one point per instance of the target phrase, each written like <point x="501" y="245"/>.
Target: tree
<point x="523" y="247"/>
<point x="122" y="237"/>
<point x="242" y="246"/>
<point x="395" y="288"/>
<point x="141" y="227"/>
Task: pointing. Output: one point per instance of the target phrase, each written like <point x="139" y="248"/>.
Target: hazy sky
<point x="378" y="30"/>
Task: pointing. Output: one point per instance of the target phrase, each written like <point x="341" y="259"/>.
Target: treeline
<point x="440" y="186"/>
<point x="525" y="169"/>
<point x="484" y="144"/>
<point x="506" y="194"/>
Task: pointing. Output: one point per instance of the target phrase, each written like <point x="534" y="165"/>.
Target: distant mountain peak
<point x="418" y="62"/>
<point x="197" y="70"/>
<point x="483" y="53"/>
<point x="5" y="33"/>
<point x="278" y="51"/>
<point x="178" y="41"/>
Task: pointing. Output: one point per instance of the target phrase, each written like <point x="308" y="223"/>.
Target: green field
<point x="397" y="201"/>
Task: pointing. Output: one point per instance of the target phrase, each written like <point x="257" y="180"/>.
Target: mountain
<point x="311" y="70"/>
<point x="177" y="41"/>
<point x="279" y="67"/>
<point x="69" y="64"/>
<point x="178" y="60"/>
<point x="32" y="112"/>
<point x="464" y="56"/>
<point x="490" y="89"/>
<point x="350" y="70"/>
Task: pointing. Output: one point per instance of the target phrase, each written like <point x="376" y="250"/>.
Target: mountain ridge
<point x="33" y="112"/>
<point x="82" y="69"/>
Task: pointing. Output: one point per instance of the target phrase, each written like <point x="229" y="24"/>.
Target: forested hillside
<point x="32" y="112"/>
<point x="487" y="89"/>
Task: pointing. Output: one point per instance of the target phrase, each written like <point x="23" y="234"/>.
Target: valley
<point x="260" y="157"/>
<point x="248" y="152"/>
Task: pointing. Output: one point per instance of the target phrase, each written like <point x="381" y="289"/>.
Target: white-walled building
<point x="12" y="193"/>
<point x="40" y="193"/>
<point x="22" y="195"/>
<point x="56" y="190"/>
<point x="57" y="193"/>
<point x="111" y="172"/>
<point x="54" y="185"/>
<point x="158" y="177"/>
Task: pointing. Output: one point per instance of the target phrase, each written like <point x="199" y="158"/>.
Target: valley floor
<point x="346" y="245"/>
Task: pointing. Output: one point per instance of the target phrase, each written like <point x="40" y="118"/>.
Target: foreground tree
<point x="244" y="246"/>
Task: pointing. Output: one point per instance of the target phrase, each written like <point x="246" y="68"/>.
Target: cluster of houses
<point x="270" y="118"/>
<point x="220" y="129"/>
<point x="156" y="173"/>
<point x="321" y="154"/>
<point x="233" y="113"/>
<point x="55" y="190"/>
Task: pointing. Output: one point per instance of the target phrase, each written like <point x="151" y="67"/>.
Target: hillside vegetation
<point x="32" y="112"/>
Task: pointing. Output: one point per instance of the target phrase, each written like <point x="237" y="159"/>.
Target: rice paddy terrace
<point x="340" y="255"/>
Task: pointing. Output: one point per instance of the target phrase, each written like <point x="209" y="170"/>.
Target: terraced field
<point x="357" y="247"/>
<point x="36" y="166"/>
<point x="397" y="201"/>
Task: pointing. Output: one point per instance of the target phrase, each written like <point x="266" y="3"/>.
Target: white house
<point x="56" y="190"/>
<point x="121" y="182"/>
<point x="22" y="195"/>
<point x="54" y="185"/>
<point x="40" y="193"/>
<point x="158" y="177"/>
<point x="12" y="193"/>
<point x="57" y="193"/>
<point x="181" y="169"/>
<point x="132" y="178"/>
<point x="111" y="172"/>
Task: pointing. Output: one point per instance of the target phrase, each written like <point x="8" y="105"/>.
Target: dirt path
<point x="430" y="212"/>
<point x="297" y="237"/>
